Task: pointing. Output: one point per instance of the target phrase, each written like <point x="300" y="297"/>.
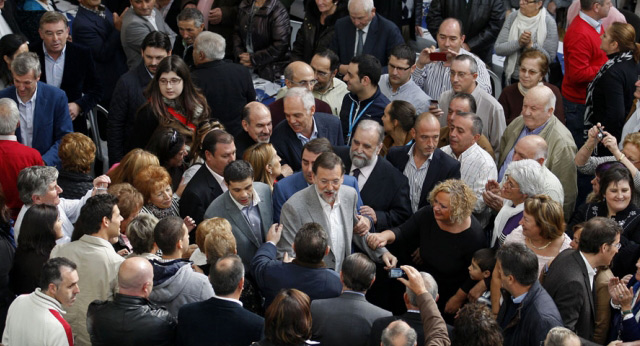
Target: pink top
<point x="614" y="15"/>
<point x="517" y="237"/>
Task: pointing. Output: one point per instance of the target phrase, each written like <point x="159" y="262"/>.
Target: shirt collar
<point x="366" y="170"/>
<point x="46" y="54"/>
<point x="331" y="87"/>
<point x="255" y="199"/>
<point x="520" y="298"/>
<point x="465" y="153"/>
<point x="324" y="203"/>
<point x="218" y="177"/>
<point x="596" y="24"/>
<point x="410" y="153"/>
<point x="152" y="16"/>
<point x="8" y="138"/>
<point x="314" y="133"/>
<point x="229" y="300"/>
<point x="537" y="130"/>
<point x="99" y="11"/>
<point x="32" y="100"/>
<point x="590" y="270"/>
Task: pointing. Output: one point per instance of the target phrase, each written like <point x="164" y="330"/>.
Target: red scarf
<point x="181" y="118"/>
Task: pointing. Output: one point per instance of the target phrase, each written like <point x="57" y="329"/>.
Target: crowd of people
<point x="385" y="195"/>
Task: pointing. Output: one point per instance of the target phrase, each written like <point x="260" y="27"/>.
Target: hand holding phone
<point x="438" y="56"/>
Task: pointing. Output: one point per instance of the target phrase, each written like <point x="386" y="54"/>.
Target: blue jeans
<point x="574" y="116"/>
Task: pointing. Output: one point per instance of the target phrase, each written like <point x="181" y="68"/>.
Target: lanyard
<point x="353" y="121"/>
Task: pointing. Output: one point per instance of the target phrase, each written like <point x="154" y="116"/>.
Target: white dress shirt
<point x="336" y="226"/>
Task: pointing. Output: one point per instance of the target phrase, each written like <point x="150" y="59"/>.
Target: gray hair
<point x="558" y="335"/>
<point x="528" y="174"/>
<point x="476" y="122"/>
<point x="25" y="63"/>
<point x="541" y="147"/>
<point x="473" y="65"/>
<point x="366" y="4"/>
<point x="398" y="328"/>
<point x="431" y="285"/>
<point x="9" y="116"/>
<point x="372" y="125"/>
<point x="140" y="233"/>
<point x="35" y="180"/>
<point x="191" y="14"/>
<point x="211" y="44"/>
<point x="305" y="96"/>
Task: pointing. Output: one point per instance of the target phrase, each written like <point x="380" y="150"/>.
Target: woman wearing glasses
<point x="528" y="27"/>
<point x="172" y="101"/>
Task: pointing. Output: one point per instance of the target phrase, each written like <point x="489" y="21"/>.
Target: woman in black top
<point x="317" y="30"/>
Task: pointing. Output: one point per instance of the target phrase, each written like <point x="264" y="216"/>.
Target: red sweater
<point x="582" y="59"/>
<point x="13" y="158"/>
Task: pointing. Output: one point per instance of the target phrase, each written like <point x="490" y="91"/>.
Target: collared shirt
<point x="26" y="117"/>
<point x="476" y="168"/>
<point x="8" y="138"/>
<point x="354" y="292"/>
<point x="152" y="19"/>
<point x="590" y="270"/>
<point x="314" y="134"/>
<point x="525" y="132"/>
<point x="408" y="91"/>
<point x="434" y="79"/>
<point x="333" y="96"/>
<point x="254" y="200"/>
<point x="5" y="29"/>
<point x="520" y="298"/>
<point x="229" y="300"/>
<point x="365" y="172"/>
<point x="98" y="12"/>
<point x="416" y="177"/>
<point x="364" y="38"/>
<point x="219" y="179"/>
<point x="54" y="68"/>
<point x="596" y="24"/>
<point x="336" y="226"/>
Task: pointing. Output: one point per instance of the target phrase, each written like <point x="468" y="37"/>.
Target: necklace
<point x="539" y="248"/>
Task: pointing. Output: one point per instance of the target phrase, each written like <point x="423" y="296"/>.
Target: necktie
<point x="360" y="43"/>
<point x="356" y="173"/>
<point x="405" y="9"/>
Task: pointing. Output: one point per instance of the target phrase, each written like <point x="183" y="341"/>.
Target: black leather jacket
<point x="308" y="40"/>
<point x="129" y="320"/>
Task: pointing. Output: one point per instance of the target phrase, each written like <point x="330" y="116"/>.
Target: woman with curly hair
<point x="130" y="165"/>
<point x="447" y="236"/>
<point x="173" y="101"/>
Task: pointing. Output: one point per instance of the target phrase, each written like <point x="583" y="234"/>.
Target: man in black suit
<point x="128" y="95"/>
<point x="256" y="125"/>
<point x="307" y="272"/>
<point x="221" y="320"/>
<point x="190" y="25"/>
<point x="364" y="32"/>
<point x="569" y="280"/>
<point x="422" y="163"/>
<point x="303" y="124"/>
<point x="228" y="87"/>
<point x="347" y="319"/>
<point x="384" y="190"/>
<point x="207" y="184"/>
<point x="8" y="15"/>
<point x="412" y="316"/>
<point x="69" y="67"/>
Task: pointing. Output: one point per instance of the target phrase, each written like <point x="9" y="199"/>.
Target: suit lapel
<point x="347" y="223"/>
<point x="40" y="106"/>
<point x="432" y="175"/>
<point x="315" y="210"/>
<point x="239" y="220"/>
<point x="373" y="178"/>
<point x="264" y="216"/>
<point x="585" y="276"/>
<point x="372" y="35"/>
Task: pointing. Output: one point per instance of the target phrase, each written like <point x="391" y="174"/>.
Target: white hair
<point x="367" y="5"/>
<point x="211" y="44"/>
<point x="528" y="174"/>
<point x="9" y="116"/>
<point x="304" y="94"/>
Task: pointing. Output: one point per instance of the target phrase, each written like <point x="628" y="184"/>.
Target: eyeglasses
<point x="617" y="245"/>
<point x="394" y="67"/>
<point x="529" y="72"/>
<point x="172" y="81"/>
<point x="528" y="2"/>
<point x="321" y="73"/>
<point x="459" y="74"/>
<point x="306" y="83"/>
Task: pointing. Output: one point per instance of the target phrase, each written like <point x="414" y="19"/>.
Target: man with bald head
<point x="256" y="125"/>
<point x="296" y="74"/>
<point x="146" y="323"/>
<point x="537" y="119"/>
<point x="423" y="163"/>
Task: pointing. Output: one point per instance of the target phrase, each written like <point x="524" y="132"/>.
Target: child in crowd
<point x="481" y="267"/>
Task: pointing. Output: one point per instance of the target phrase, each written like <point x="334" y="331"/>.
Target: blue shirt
<point x="525" y="132"/>
<point x="54" y="68"/>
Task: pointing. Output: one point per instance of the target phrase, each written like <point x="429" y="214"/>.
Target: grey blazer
<point x="135" y="29"/>
<point x="246" y="241"/>
<point x="304" y="206"/>
<point x="344" y="320"/>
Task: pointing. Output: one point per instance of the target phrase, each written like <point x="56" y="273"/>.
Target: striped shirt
<point x="416" y="178"/>
<point x="434" y="79"/>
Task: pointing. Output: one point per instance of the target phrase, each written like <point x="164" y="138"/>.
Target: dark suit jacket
<point x="218" y="322"/>
<point x="51" y="120"/>
<point x="9" y="14"/>
<point x="412" y="318"/>
<point x="228" y="88"/>
<point x="288" y="186"/>
<point x="276" y="108"/>
<point x="345" y="320"/>
<point x="79" y="80"/>
<point x="246" y="241"/>
<point x="272" y="275"/>
<point x="101" y="37"/>
<point x="382" y="36"/>
<point x="567" y="282"/>
<point x="442" y="167"/>
<point x="127" y="98"/>
<point x="386" y="191"/>
<point x="288" y="145"/>
<point x="186" y="53"/>
<point x="199" y="193"/>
